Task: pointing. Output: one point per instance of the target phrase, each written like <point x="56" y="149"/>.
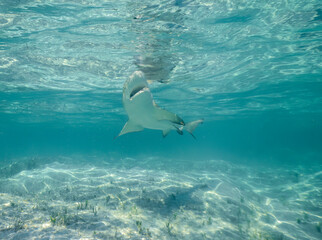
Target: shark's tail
<point x="191" y="126"/>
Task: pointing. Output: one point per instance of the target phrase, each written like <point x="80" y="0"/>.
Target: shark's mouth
<point x="137" y="91"/>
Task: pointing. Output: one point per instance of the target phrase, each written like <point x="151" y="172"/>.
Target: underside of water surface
<point x="250" y="69"/>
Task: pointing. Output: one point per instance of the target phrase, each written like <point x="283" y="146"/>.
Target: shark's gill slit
<point x="136" y="90"/>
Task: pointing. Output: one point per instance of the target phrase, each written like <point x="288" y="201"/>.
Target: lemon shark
<point x="143" y="112"/>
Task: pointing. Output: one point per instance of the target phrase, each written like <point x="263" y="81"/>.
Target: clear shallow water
<point x="251" y="70"/>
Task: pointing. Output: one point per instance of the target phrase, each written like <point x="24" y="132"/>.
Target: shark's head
<point x="134" y="86"/>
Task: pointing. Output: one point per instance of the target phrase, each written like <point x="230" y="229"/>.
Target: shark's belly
<point x="142" y="111"/>
<point x="154" y="124"/>
<point x="148" y="121"/>
<point x="145" y="118"/>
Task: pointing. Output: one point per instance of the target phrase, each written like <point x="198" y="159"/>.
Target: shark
<point x="143" y="112"/>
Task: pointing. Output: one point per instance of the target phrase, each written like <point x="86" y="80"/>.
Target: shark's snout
<point x="134" y="86"/>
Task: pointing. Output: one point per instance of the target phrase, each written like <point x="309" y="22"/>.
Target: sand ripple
<point x="66" y="201"/>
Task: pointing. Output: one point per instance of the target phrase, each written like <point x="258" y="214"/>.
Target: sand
<point x="132" y="200"/>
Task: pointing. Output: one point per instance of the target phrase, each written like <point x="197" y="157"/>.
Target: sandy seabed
<point x="221" y="200"/>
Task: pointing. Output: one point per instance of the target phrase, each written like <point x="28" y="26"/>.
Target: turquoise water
<point x="251" y="70"/>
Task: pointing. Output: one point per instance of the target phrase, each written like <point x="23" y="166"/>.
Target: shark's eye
<point x="136" y="90"/>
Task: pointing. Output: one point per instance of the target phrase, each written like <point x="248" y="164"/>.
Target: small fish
<point x="144" y="113"/>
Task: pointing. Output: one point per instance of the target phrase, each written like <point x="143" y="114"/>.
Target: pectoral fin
<point x="162" y="114"/>
<point x="130" y="127"/>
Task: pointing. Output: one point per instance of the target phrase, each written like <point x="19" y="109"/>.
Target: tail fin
<point x="191" y="126"/>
